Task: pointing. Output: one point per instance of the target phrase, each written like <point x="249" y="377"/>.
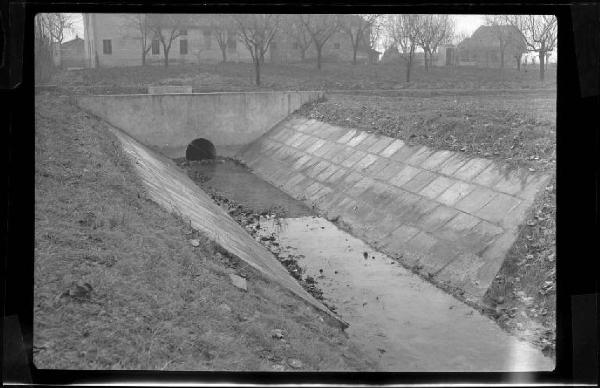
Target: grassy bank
<point x="119" y="286"/>
<point x="300" y="76"/>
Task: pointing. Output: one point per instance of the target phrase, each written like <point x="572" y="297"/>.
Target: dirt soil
<point x="299" y="76"/>
<point x="119" y="285"/>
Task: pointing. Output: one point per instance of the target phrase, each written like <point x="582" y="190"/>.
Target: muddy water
<point x="405" y="322"/>
<point x="236" y="182"/>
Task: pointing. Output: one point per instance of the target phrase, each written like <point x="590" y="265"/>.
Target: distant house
<point x="72" y="53"/>
<point x="111" y="40"/>
<point x="484" y="47"/>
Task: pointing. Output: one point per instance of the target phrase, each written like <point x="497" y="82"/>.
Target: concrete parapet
<point x="169" y="122"/>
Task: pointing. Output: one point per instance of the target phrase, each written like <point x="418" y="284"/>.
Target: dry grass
<point x="156" y="302"/>
<point x="299" y="76"/>
<point x="517" y="129"/>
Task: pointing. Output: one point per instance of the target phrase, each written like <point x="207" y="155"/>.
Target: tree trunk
<point x="319" y="48"/>
<point x="408" y="66"/>
<point x="303" y="54"/>
<point x="542" y="55"/>
<point x="257" y="71"/>
<point x="166" y="57"/>
<point x="354" y="56"/>
<point x="518" y="59"/>
<point x="502" y="59"/>
<point x="143" y="57"/>
<point x="224" y="54"/>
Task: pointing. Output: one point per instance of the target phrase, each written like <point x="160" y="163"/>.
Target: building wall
<point x="126" y="48"/>
<point x="73" y="54"/>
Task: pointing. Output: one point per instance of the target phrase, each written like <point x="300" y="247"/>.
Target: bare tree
<point x="166" y="28"/>
<point x="224" y="29"/>
<point x="297" y="31"/>
<point x="44" y="65"/>
<point x="377" y="28"/>
<point x="320" y="27"/>
<point x="404" y="32"/>
<point x="357" y="27"/>
<point x="257" y="31"/>
<point x="56" y="25"/>
<point x="539" y="34"/>
<point x="138" y="25"/>
<point x="435" y="30"/>
<point x="508" y="38"/>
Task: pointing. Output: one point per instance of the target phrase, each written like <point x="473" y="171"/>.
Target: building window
<point x="155" y="47"/>
<point x="183" y="47"/>
<point x="183" y="32"/>
<point x="207" y="41"/>
<point x="336" y="46"/>
<point x="295" y="46"/>
<point x="107" y="46"/>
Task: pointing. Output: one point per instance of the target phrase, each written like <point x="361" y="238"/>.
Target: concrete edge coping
<point x="202" y="93"/>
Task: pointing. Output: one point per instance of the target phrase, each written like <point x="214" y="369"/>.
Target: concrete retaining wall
<point x="168" y="186"/>
<point x="169" y="122"/>
<point x="452" y="217"/>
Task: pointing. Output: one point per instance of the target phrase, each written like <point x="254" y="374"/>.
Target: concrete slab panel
<point x="452" y="164"/>
<point x="365" y="162"/>
<point x="367" y="142"/>
<point x="419" y="156"/>
<point x="404" y="153"/>
<point x="489" y="176"/>
<point x="380" y="145"/>
<point x="496" y="210"/>
<point x="405" y="175"/>
<point x="347" y="136"/>
<point x="455" y="193"/>
<point x="389" y="171"/>
<point x="437" y="218"/>
<point x="471" y="169"/>
<point x="316" y="145"/>
<point x="419" y="181"/>
<point x="475" y="200"/>
<point x="436" y="187"/>
<point x="375" y="167"/>
<point x="392" y="148"/>
<point x="353" y="158"/>
<point x="356" y="140"/>
<point x="435" y="159"/>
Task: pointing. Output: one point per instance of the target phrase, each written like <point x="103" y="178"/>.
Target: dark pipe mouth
<point x="200" y="149"/>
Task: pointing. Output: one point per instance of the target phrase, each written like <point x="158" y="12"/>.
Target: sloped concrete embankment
<point x="169" y="122"/>
<point x="451" y="217"/>
<point x="174" y="191"/>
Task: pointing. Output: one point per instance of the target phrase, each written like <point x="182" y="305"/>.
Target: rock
<point x="277" y="333"/>
<point x="295" y="363"/>
<point x="500" y="300"/>
<point x="195" y="242"/>
<point x="278" y="368"/>
<point x="80" y="290"/>
<point x="225" y="308"/>
<point x="238" y="282"/>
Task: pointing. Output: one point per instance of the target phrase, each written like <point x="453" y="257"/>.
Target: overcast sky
<point x="465" y="24"/>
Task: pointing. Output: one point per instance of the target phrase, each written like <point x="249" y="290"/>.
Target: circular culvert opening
<point x="200" y="149"/>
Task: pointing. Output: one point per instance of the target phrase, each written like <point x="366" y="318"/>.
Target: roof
<point x="73" y="43"/>
<point x="486" y="37"/>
